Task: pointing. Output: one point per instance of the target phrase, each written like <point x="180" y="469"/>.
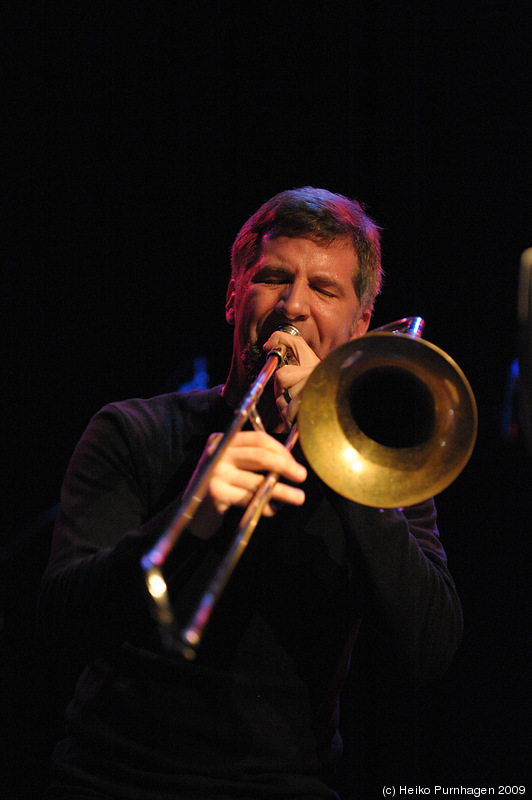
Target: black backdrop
<point x="141" y="135"/>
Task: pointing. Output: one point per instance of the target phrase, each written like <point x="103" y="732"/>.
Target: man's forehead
<point x="269" y="241"/>
<point x="264" y="252"/>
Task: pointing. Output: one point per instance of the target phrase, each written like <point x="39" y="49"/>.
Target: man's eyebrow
<point x="272" y="269"/>
<point x="326" y="279"/>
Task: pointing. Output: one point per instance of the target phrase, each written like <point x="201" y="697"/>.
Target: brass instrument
<point x="386" y="420"/>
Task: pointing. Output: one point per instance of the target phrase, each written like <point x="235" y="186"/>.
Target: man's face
<point x="300" y="282"/>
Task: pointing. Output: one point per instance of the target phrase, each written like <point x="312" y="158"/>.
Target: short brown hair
<point x="319" y="215"/>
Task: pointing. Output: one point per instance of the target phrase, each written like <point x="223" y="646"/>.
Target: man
<point x="256" y="715"/>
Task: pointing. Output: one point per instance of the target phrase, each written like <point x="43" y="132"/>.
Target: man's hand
<point x="237" y="476"/>
<point x="290" y="379"/>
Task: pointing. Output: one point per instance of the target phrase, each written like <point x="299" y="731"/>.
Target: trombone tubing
<point x="190" y="636"/>
<point x="198" y="489"/>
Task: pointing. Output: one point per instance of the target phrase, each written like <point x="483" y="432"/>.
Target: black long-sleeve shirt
<point x="256" y="714"/>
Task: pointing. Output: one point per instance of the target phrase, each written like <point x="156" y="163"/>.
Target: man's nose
<point x="294" y="301"/>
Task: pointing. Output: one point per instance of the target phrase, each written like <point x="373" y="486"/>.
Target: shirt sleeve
<point x="410" y="606"/>
<point x="93" y="595"/>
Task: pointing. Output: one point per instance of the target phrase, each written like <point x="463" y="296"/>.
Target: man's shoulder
<point x="165" y="412"/>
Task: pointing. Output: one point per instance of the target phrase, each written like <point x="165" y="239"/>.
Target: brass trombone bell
<point x="387" y="420"/>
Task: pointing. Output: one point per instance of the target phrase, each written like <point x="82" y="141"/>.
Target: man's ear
<point x="230" y="303"/>
<point x="361" y="325"/>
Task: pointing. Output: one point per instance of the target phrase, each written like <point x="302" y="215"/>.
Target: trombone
<point x="386" y="420"/>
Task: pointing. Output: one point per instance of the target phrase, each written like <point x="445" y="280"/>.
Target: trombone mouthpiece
<point x="281" y="351"/>
<point x="291" y="329"/>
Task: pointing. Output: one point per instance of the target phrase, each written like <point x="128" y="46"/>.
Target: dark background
<point x="140" y="137"/>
